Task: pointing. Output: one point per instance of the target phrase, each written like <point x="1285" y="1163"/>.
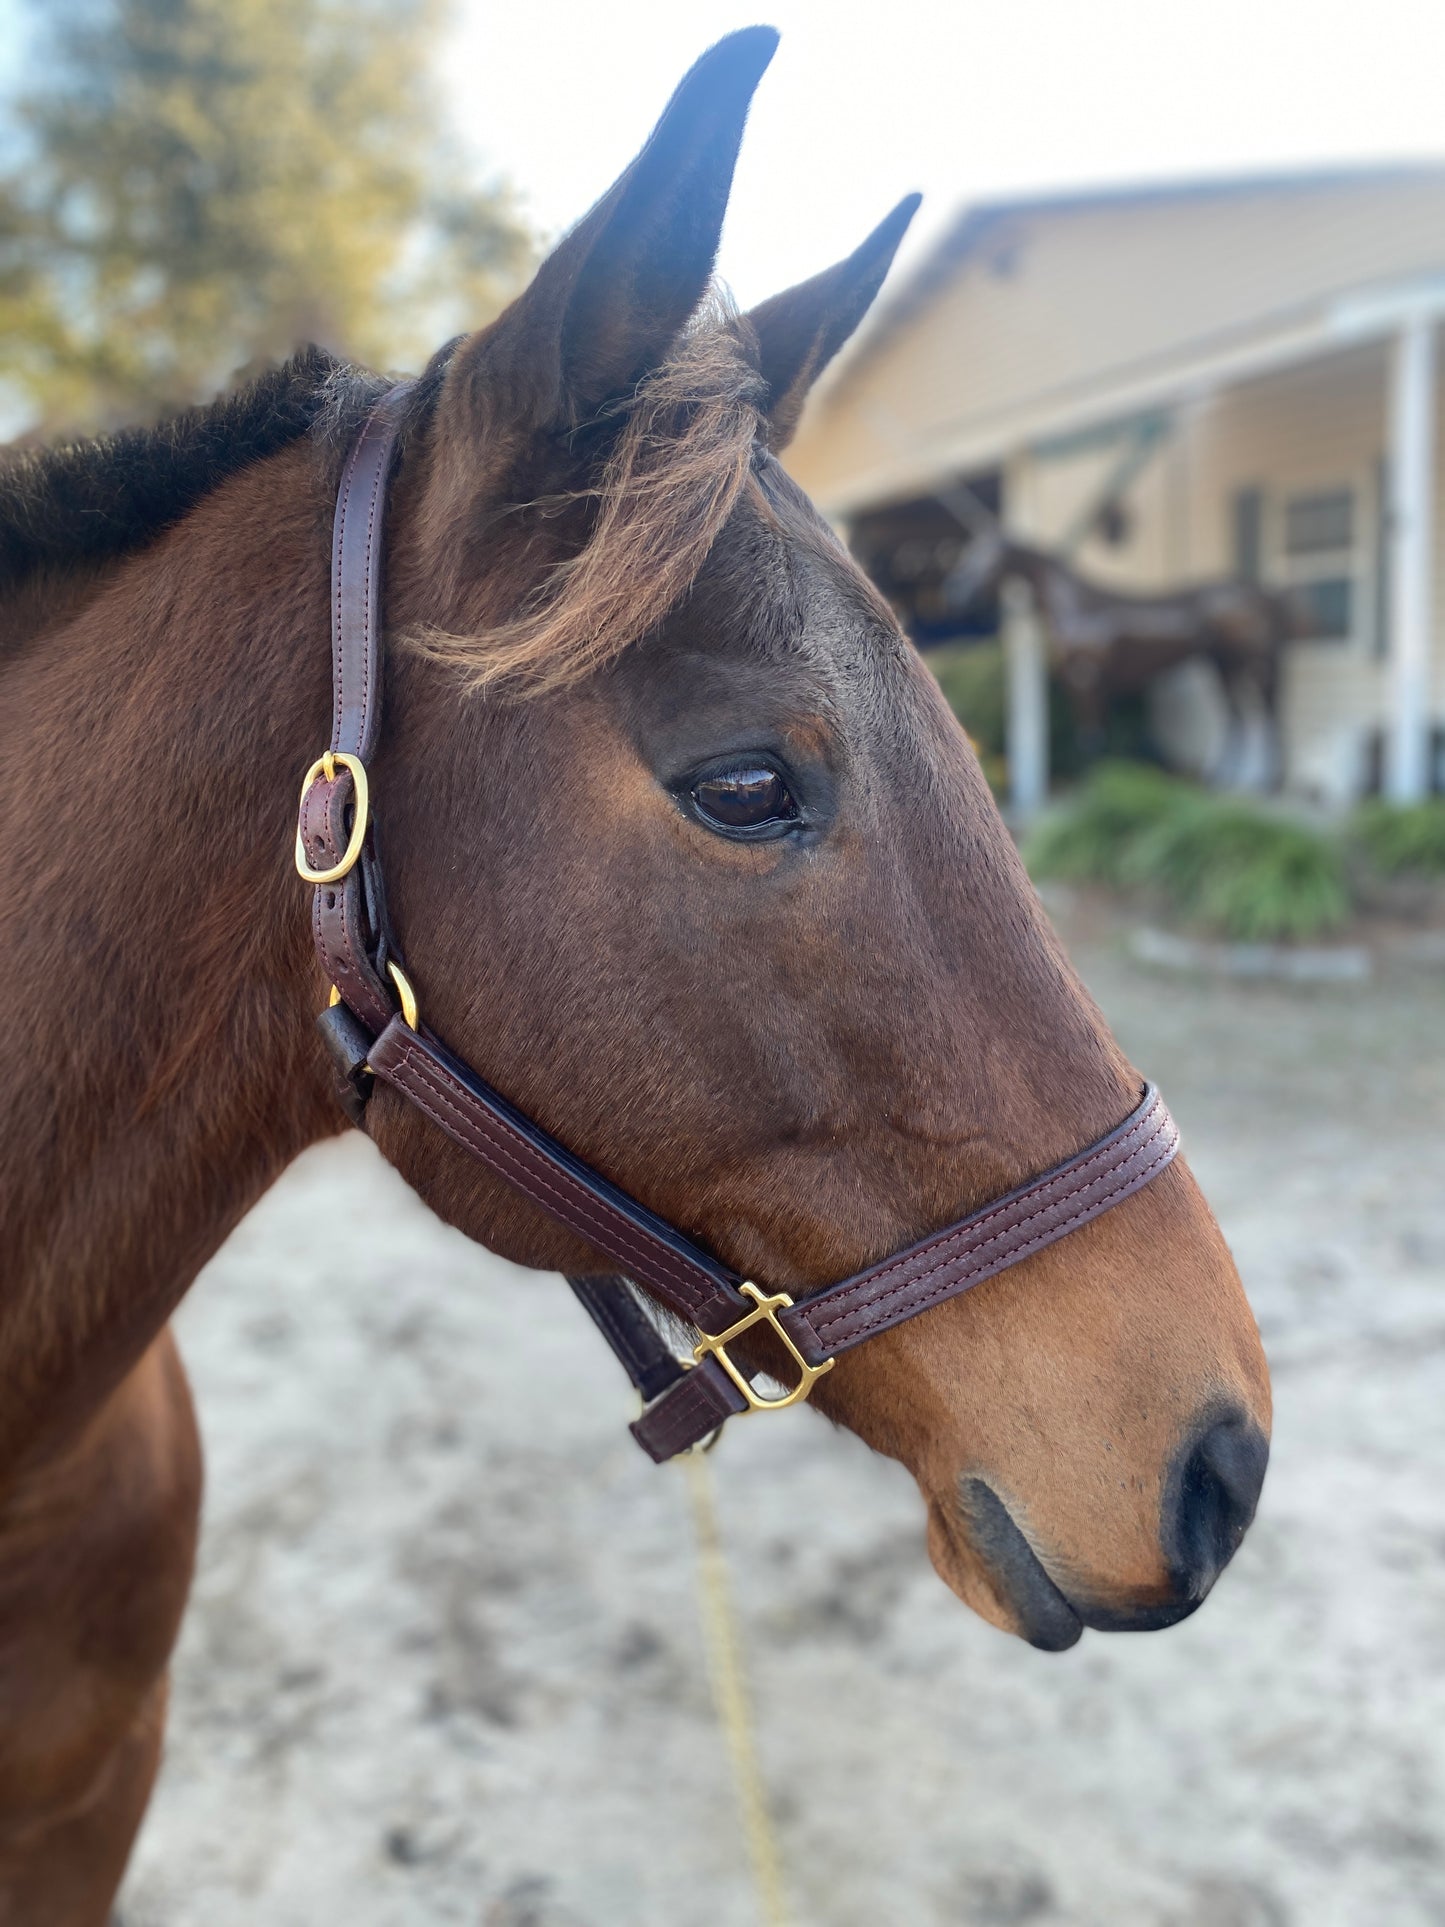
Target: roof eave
<point x="1311" y="333"/>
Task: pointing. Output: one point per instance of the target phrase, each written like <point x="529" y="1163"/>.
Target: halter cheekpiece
<point x="373" y="1029"/>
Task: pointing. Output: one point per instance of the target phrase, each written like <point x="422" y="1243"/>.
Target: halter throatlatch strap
<point x="369" y="1037"/>
<point x="684" y="1277"/>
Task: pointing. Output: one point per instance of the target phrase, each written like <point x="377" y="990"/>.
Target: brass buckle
<point x="325" y="765"/>
<point x="765" y="1311"/>
<point x="407" y="995"/>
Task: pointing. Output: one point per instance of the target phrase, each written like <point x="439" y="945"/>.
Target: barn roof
<point x="1038" y="317"/>
<point x="977" y="222"/>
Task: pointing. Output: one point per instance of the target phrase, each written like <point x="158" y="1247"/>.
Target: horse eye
<point x="750" y="797"/>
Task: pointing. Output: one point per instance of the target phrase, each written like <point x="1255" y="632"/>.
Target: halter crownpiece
<point x="373" y="1029"/>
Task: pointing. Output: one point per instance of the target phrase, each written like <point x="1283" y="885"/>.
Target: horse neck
<point x="158" y="1061"/>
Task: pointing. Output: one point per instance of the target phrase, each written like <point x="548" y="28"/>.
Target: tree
<point x="197" y="185"/>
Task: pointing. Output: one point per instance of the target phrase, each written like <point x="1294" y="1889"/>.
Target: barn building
<point x="1168" y="385"/>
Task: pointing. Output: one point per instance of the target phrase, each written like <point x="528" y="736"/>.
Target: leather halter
<point x="370" y="1037"/>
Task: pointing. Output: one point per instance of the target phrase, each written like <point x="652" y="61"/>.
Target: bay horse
<point x="692" y="860"/>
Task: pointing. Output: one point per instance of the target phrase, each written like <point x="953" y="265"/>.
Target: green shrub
<point x="1404" y="838"/>
<point x="1089" y="840"/>
<point x="1219" y="861"/>
<point x="1294" y="889"/>
<point x="1252" y="875"/>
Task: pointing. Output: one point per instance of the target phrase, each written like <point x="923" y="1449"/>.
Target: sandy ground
<point x="443" y="1662"/>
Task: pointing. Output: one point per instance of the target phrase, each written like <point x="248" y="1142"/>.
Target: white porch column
<point x="1028" y="700"/>
<point x="1411" y="470"/>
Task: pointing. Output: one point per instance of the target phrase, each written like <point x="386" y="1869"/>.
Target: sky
<point x="965" y="101"/>
<point x="862" y="104"/>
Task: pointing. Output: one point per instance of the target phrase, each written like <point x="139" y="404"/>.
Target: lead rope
<point x="730" y="1694"/>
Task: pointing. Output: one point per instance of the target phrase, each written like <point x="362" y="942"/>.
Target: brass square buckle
<point x="765" y="1311"/>
<point x="326" y="766"/>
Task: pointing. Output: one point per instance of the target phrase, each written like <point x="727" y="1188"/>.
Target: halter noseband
<point x="370" y="1037"/>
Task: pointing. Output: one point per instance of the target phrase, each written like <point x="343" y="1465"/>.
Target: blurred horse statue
<point x="691" y="858"/>
<point x="1106" y="643"/>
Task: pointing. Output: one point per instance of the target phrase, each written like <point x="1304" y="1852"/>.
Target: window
<point x="1319" y="524"/>
<point x="1320" y="559"/>
<point x="1324" y="545"/>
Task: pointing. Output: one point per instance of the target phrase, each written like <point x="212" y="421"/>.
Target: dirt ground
<point x="443" y="1661"/>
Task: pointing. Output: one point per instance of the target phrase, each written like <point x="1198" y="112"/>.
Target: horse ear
<point x="614" y="295"/>
<point x="800" y="331"/>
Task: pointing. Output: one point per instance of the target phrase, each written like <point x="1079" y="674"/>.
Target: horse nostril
<point x="1210" y="1500"/>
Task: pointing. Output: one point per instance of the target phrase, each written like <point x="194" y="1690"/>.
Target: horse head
<point x="695" y="864"/>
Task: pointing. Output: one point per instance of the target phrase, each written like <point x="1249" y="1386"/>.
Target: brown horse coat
<point x="806" y="1044"/>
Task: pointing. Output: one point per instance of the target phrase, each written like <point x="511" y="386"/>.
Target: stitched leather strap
<point x="694" y="1408"/>
<point x="356" y="552"/>
<point x="345" y="925"/>
<point x="684" y="1277"/>
<point x="702" y="1397"/>
<point x="953" y="1260"/>
<point x="347" y="917"/>
<point x="1001" y="1234"/>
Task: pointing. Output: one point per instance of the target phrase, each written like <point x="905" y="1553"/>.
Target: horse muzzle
<point x="1210" y="1494"/>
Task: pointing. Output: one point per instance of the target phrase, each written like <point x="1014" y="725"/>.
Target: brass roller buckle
<point x="325" y="765"/>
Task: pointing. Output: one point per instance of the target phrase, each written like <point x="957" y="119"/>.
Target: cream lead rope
<point x="730" y="1694"/>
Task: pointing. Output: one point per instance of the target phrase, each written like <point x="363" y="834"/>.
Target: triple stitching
<point x="684" y="1275"/>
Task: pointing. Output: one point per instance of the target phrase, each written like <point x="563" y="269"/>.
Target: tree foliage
<point x="197" y="185"/>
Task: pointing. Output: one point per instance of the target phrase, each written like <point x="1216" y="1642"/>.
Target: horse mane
<point x="688" y="436"/>
<point x="106" y="495"/>
<point x="681" y="446"/>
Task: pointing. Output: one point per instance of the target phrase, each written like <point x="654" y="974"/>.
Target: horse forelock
<point x="682" y="445"/>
